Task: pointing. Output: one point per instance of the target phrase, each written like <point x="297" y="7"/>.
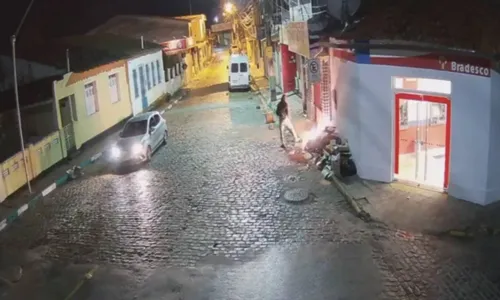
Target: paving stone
<point x="213" y="194"/>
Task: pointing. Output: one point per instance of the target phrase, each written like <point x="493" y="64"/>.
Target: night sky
<point x="50" y="18"/>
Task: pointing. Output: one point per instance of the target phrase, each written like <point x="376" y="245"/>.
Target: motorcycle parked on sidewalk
<point x="331" y="154"/>
<point x="318" y="143"/>
<point x="341" y="161"/>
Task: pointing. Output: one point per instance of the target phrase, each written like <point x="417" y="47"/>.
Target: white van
<point x="239" y="72"/>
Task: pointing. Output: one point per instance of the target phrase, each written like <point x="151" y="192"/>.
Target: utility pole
<point x="258" y="23"/>
<point x="16" y="92"/>
<point x="190" y="9"/>
<point x="268" y="21"/>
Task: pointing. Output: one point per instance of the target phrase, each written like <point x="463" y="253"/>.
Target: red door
<point x="422" y="138"/>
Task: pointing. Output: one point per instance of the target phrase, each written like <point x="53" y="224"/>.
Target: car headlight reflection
<point x="137" y="149"/>
<point x="115" y="152"/>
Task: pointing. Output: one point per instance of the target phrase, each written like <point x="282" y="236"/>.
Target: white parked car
<point x="140" y="137"/>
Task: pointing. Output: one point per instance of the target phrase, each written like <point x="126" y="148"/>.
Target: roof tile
<point x="86" y="52"/>
<point x="76" y="77"/>
<point x="154" y="29"/>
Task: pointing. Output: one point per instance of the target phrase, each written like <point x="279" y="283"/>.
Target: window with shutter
<point x="148" y="80"/>
<point x="158" y="70"/>
<point x="114" y="90"/>
<point x="136" y="84"/>
<point x="91" y="102"/>
<point x="153" y="73"/>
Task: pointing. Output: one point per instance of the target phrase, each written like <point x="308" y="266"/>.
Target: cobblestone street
<point x="207" y="219"/>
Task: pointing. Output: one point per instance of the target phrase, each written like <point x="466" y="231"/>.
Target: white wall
<point x="156" y="91"/>
<point x="26" y="72"/>
<point x="175" y="83"/>
<point x="366" y="117"/>
<point x="493" y="191"/>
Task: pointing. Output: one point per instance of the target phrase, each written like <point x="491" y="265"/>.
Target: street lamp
<point x="16" y="92"/>
<point x="216" y="19"/>
<point x="229" y="7"/>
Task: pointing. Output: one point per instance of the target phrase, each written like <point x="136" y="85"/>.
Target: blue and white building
<point x="146" y="78"/>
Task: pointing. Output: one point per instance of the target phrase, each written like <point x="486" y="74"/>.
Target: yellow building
<point x="42" y="140"/>
<point x="198" y="30"/>
<point x="202" y="52"/>
<point x="90" y="102"/>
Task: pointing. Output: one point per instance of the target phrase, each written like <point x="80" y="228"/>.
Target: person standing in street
<point x="285" y="121"/>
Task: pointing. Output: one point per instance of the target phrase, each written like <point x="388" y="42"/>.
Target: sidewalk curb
<point x="263" y="101"/>
<point x="49" y="189"/>
<point x="59" y="182"/>
<point x="174" y="102"/>
<point x="360" y="212"/>
<point x="265" y="107"/>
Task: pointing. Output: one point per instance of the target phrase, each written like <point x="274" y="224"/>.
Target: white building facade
<point x="146" y="78"/>
<point x="420" y="117"/>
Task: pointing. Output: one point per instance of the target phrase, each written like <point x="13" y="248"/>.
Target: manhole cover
<point x="292" y="178"/>
<point x="296" y="195"/>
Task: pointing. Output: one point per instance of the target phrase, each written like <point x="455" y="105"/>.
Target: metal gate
<point x="69" y="138"/>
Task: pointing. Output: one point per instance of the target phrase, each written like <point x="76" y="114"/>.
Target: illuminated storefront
<point x="420" y="117"/>
<point x="185" y="48"/>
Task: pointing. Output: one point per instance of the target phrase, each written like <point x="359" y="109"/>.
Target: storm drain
<point x="296" y="195"/>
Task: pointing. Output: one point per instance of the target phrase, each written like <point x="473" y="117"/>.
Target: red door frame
<point x="428" y="98"/>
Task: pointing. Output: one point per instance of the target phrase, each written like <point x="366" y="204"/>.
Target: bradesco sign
<point x="478" y="68"/>
<point x="469" y="69"/>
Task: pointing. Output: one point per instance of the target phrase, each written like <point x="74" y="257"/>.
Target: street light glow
<point x="228" y="7"/>
<point x="216" y="19"/>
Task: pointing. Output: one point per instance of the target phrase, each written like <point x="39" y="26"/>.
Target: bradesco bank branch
<point x="421" y="117"/>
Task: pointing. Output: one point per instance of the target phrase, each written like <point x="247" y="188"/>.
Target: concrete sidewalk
<point x="416" y="209"/>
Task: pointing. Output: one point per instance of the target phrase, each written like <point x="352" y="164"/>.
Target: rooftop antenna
<point x="68" y="69"/>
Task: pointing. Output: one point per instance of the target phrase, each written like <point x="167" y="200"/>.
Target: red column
<point x="289" y="69"/>
<point x="326" y="101"/>
<point x="317" y="96"/>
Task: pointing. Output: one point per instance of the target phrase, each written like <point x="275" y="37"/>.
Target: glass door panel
<point x="421" y="117"/>
<point x="422" y="141"/>
<point x="433" y="143"/>
<point x="407" y="140"/>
